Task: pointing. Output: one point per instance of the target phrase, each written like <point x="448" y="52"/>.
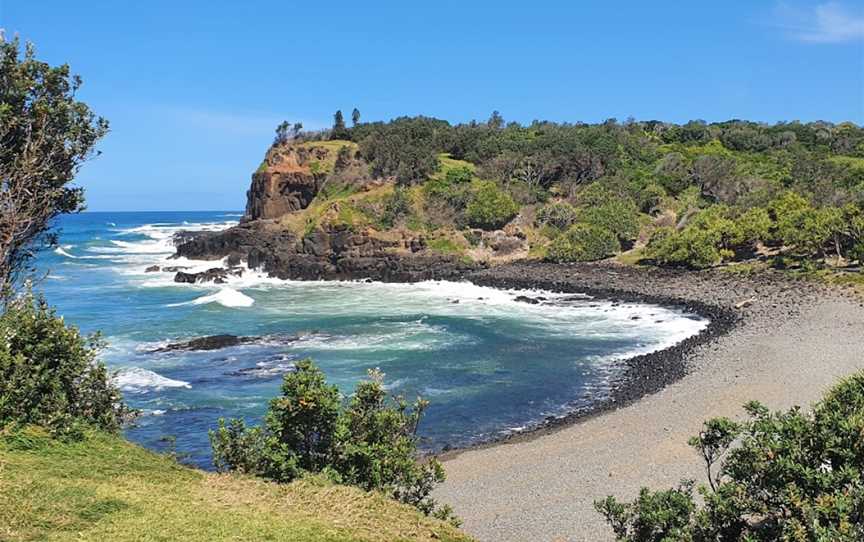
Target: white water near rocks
<point x="488" y="363"/>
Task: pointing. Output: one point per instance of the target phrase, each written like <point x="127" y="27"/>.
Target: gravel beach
<point x="781" y="341"/>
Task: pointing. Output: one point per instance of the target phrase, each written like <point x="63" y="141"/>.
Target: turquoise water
<point x="487" y="363"/>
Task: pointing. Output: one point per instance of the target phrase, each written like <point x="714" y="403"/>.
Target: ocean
<point x="488" y="364"/>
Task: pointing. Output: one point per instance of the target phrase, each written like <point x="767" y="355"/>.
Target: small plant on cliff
<point x="370" y="442"/>
<point x="790" y="475"/>
<point x="50" y="375"/>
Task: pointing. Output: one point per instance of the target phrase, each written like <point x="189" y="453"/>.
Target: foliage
<point x="790" y="475"/>
<point x="560" y="215"/>
<point x="489" y="207"/>
<point x="45" y="136"/>
<point x="583" y="243"/>
<point x="405" y="148"/>
<point x="618" y="216"/>
<point x="396" y="207"/>
<point x="339" y="131"/>
<point x="50" y="375"/>
<point x="102" y="487"/>
<point x="691" y="247"/>
<point x="371" y="442"/>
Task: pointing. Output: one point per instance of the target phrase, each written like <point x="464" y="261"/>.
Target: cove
<point x="489" y="362"/>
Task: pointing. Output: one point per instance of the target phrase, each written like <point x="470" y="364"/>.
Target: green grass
<point x="105" y="488"/>
<point x="445" y="245"/>
<point x="446" y="163"/>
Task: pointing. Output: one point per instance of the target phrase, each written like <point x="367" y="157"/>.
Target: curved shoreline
<point x="789" y="342"/>
<point x="644" y="375"/>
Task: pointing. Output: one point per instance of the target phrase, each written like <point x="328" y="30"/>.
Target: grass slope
<point x="105" y="488"/>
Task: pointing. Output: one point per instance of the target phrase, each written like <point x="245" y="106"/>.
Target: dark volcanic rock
<point x="335" y="252"/>
<point x="218" y="275"/>
<point x="152" y="269"/>
<point x="213" y="342"/>
<point x="526" y="299"/>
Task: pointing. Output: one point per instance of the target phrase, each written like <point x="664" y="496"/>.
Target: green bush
<point x="453" y="188"/>
<point x="651" y="197"/>
<point x="50" y="375"/>
<point x="559" y="214"/>
<point x="691" y="247"/>
<point x="752" y="226"/>
<point x="489" y="207"/>
<point x="583" y="243"/>
<point x="371" y="442"/>
<point x="778" y="476"/>
<point x="617" y="215"/>
<point x="397" y="206"/>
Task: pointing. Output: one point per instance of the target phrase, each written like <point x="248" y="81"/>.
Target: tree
<point x="370" y="442"/>
<point x="790" y="475"/>
<point x="281" y="133"/>
<point x="339" y="130"/>
<point x="46" y="134"/>
<point x="355" y="117"/>
<point x="50" y="375"/>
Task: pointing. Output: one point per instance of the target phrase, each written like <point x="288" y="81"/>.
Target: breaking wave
<point x="136" y="380"/>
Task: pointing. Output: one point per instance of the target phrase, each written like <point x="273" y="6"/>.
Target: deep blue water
<point x="487" y="363"/>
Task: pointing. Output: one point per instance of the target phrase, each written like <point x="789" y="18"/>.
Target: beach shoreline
<point x="782" y="341"/>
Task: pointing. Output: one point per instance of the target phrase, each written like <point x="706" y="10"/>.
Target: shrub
<point x="778" y="476"/>
<point x="397" y="205"/>
<point x="371" y="442"/>
<point x="691" y="247"/>
<point x="617" y="215"/>
<point x="651" y="197"/>
<point x="583" y="243"/>
<point x="560" y="215"/>
<point x="50" y="375"/>
<point x="489" y="207"/>
<point x="752" y="226"/>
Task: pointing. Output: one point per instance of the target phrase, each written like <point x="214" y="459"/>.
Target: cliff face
<point x="287" y="181"/>
<point x="285" y="237"/>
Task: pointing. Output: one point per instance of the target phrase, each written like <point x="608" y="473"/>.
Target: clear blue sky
<point x="194" y="89"/>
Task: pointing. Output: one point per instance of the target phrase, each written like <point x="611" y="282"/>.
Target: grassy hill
<point x="105" y="488"/>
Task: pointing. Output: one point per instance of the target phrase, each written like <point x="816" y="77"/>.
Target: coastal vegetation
<point x="795" y="475"/>
<point x="65" y="471"/>
<point x="46" y="133"/>
<point x="102" y="487"/>
<point x="371" y="442"/>
<point x="695" y="195"/>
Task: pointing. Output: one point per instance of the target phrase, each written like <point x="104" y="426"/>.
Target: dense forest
<point x="695" y="195"/>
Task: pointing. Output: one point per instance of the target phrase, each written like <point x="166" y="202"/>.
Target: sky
<point x="194" y="89"/>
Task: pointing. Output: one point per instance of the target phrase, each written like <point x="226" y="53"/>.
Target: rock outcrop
<point x="334" y="252"/>
<point x="288" y="180"/>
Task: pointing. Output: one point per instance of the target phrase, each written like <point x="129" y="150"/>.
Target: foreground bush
<point x="583" y="243"/>
<point x="371" y="442"/>
<point x="791" y="475"/>
<point x="49" y="373"/>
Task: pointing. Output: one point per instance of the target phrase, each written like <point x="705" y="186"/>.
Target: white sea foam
<point x="136" y="379"/>
<point x="62" y="252"/>
<point x="227" y="297"/>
